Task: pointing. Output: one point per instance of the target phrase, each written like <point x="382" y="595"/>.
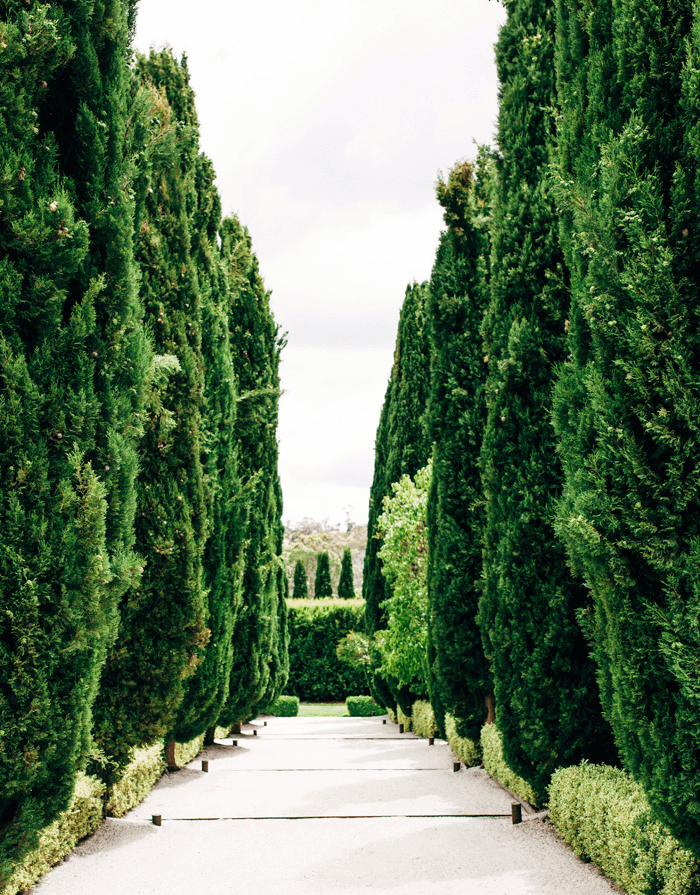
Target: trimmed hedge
<point x="315" y="628"/>
<point x="465" y="749"/>
<point x="285" y="707"/>
<point x="82" y="817"/>
<point x="137" y="781"/>
<point x="495" y="764"/>
<point x="187" y="752"/>
<point x="361" y="706"/>
<point x="423" y="719"/>
<point x="605" y="817"/>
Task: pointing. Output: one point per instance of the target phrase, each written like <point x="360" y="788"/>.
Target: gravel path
<point x="324" y="805"/>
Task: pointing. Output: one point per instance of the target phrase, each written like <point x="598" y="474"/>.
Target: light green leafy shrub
<point x="401" y="718"/>
<point x="285" y="706"/>
<point x="187" y="752"/>
<point x="82" y="817"/>
<point x="465" y="749"/>
<point x="393" y="717"/>
<point x="495" y="764"/>
<point x="423" y="719"/>
<point x="137" y="781"/>
<point x="361" y="706"/>
<point x="605" y="817"/>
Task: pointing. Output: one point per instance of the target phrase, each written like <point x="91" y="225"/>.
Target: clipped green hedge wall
<point x="465" y="749"/>
<point x="82" y="817"/>
<point x="285" y="706"/>
<point x="495" y="764"/>
<point x="138" y="780"/>
<point x="315" y="627"/>
<point x="605" y="817"/>
<point x="361" y="706"/>
<point x="423" y="719"/>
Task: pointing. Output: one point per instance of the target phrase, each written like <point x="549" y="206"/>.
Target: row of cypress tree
<point x="323" y="586"/>
<point x="563" y="382"/>
<point x="143" y="595"/>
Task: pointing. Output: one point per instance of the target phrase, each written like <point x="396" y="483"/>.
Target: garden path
<point x="339" y="806"/>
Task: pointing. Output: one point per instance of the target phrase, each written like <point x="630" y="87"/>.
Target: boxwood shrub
<point x="361" y="706"/>
<point x="82" y="817"/>
<point x="315" y="628"/>
<point x="605" y="817"/>
<point x="465" y="749"/>
<point x="138" y="780"/>
<point x="285" y="706"/>
<point x="495" y="764"/>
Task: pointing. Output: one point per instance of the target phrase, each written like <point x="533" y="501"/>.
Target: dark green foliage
<point x="361" y="706"/>
<point x="401" y="448"/>
<point x="547" y="705"/>
<point x="301" y="587"/>
<point x="162" y="632"/>
<point x="73" y="364"/>
<point x="315" y="629"/>
<point x="322" y="581"/>
<point x="346" y="586"/>
<point x="627" y="404"/>
<point x="460" y="682"/>
<point x="259" y="654"/>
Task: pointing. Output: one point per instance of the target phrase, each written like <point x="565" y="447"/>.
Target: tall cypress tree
<point x="162" y="631"/>
<point x="346" y="586"/>
<point x="256" y="347"/>
<point x="547" y="704"/>
<point x="628" y="400"/>
<point x="301" y="585"/>
<point x="401" y="448"/>
<point x="73" y="365"/>
<point x="207" y="691"/>
<point x="460" y="682"/>
<point x="322" y="581"/>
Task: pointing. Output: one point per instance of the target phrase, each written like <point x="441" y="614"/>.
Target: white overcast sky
<point x="327" y="122"/>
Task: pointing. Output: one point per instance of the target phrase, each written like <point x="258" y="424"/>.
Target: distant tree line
<point x="142" y="590"/>
<point x="550" y="370"/>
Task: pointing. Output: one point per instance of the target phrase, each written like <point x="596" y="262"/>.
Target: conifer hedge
<point x="547" y="705"/>
<point x="627" y="404"/>
<point x="73" y="369"/>
<point x="401" y="448"/>
<point x="460" y="680"/>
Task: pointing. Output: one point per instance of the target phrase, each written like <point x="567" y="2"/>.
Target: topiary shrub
<point x="605" y="817"/>
<point x="137" y="781"/>
<point x="495" y="764"/>
<point x="403" y="718"/>
<point x="360" y="706"/>
<point x="285" y="707"/>
<point x="315" y="629"/>
<point x="82" y="817"/>
<point x="465" y="749"/>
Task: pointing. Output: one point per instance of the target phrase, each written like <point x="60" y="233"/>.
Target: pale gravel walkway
<point x="325" y="805"/>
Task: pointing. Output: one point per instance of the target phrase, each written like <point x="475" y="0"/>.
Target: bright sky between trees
<point x="327" y="122"/>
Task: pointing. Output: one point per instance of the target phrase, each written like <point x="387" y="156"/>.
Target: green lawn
<point x="323" y="710"/>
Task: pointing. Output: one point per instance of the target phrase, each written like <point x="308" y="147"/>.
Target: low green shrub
<point x="315" y="629"/>
<point x="401" y="718"/>
<point x="361" y="706"/>
<point x="465" y="749"/>
<point x="393" y="717"/>
<point x="82" y="817"/>
<point x="137" y="781"/>
<point x="605" y="817"/>
<point x="285" y="706"/>
<point x="423" y="719"/>
<point x="495" y="764"/>
<point x="187" y="752"/>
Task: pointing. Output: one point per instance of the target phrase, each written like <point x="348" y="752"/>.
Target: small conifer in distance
<point x="322" y="582"/>
<point x="301" y="584"/>
<point x="346" y="586"/>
